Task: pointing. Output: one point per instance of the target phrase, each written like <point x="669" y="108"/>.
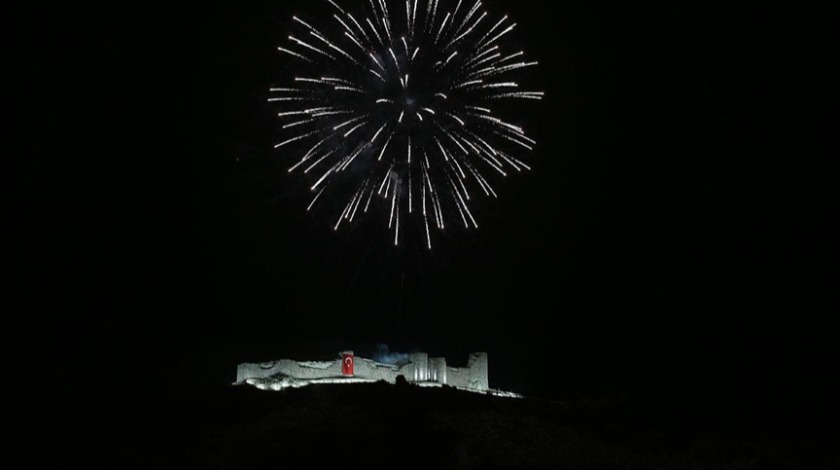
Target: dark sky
<point x="674" y="234"/>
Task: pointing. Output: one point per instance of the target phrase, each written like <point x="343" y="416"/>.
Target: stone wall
<point x="474" y="376"/>
<point x="420" y="369"/>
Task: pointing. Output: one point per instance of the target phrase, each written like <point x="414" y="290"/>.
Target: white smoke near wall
<point x="384" y="355"/>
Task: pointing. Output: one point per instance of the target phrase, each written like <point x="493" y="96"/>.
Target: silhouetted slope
<point x="386" y="426"/>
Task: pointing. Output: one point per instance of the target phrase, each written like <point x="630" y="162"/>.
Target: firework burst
<point x="393" y="109"/>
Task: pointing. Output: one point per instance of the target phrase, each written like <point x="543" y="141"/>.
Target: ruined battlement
<point x="421" y="369"/>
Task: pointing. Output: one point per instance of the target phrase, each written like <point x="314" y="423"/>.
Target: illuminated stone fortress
<point x="420" y="370"/>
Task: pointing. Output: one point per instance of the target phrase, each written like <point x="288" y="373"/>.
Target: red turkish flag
<point x="347" y="364"/>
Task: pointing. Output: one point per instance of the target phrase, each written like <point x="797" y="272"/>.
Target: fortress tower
<point x="421" y="370"/>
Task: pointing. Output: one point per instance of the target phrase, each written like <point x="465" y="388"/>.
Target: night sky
<point x="674" y="240"/>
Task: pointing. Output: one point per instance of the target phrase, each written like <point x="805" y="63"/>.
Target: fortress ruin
<point x="420" y="370"/>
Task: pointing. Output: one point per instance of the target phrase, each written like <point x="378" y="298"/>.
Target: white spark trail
<point x="361" y="29"/>
<point x="312" y="204"/>
<point x="469" y="16"/>
<point x="310" y="47"/>
<point x="467" y="32"/>
<point x="288" y="98"/>
<point x="351" y="131"/>
<point x="393" y="113"/>
<point x="294" y="54"/>
<point x="375" y="32"/>
<point x="385" y="147"/>
<point x="294" y="139"/>
<point x="526" y="95"/>
<point x="442" y="26"/>
<point x="317" y="162"/>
